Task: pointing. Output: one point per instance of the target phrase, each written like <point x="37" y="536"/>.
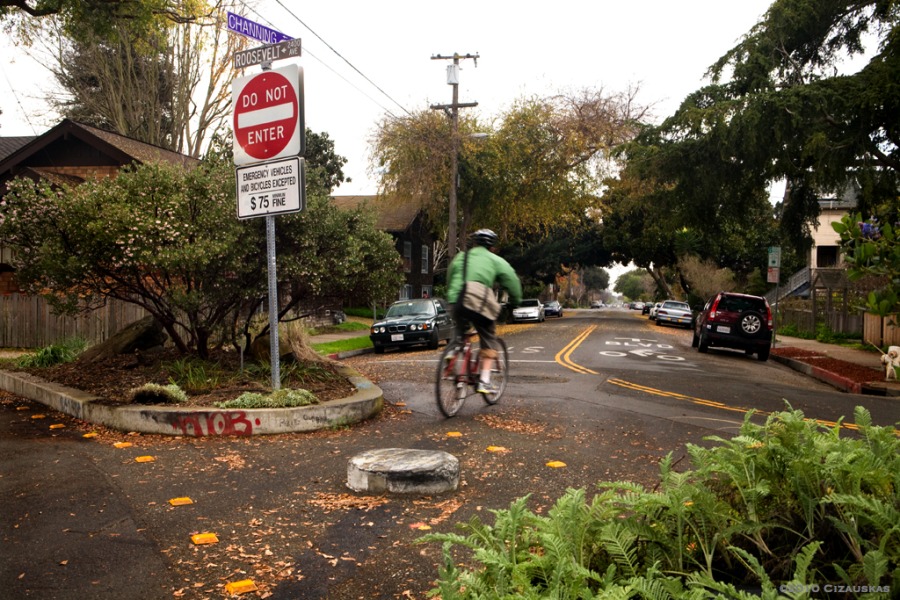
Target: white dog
<point x="891" y="362"/>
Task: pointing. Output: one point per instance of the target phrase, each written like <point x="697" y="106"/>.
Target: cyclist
<point x="480" y="265"/>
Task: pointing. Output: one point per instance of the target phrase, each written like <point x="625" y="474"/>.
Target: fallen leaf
<point x="556" y="464"/>
<point x="454" y="434"/>
<point x="497" y="449"/>
<point x="38" y="416"/>
<point x="123" y="445"/>
<point x="92" y="434"/>
<point x="182" y="501"/>
<point x="57" y="426"/>
<point x="145" y="459"/>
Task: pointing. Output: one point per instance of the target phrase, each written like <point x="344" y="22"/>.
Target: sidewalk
<point x="877" y="386"/>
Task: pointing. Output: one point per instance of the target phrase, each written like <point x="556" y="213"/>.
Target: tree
<point x="166" y="238"/>
<point x="538" y="170"/>
<point x="162" y="81"/>
<point x="634" y="284"/>
<point x="97" y="16"/>
<point x="780" y="107"/>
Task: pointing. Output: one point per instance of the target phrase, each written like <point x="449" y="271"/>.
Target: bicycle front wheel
<point x="451" y="387"/>
<point x="499" y="374"/>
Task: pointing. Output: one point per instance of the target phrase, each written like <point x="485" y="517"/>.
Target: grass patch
<point x="54" y="354"/>
<point x="283" y="398"/>
<point x="341" y="328"/>
<point x="357" y="343"/>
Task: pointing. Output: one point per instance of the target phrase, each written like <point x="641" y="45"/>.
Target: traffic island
<point x="403" y="471"/>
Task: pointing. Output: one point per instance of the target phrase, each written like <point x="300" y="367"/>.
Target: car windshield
<point x="417" y="308"/>
<point x="529" y="303"/>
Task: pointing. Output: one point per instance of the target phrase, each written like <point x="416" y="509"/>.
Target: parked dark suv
<point x="739" y="321"/>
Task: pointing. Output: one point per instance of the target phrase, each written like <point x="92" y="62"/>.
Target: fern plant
<point x="770" y="513"/>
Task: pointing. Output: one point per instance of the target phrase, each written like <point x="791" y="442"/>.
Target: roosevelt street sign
<point x="264" y="54"/>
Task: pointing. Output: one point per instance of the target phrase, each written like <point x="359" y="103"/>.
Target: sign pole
<point x="274" y="342"/>
<point x="274" y="347"/>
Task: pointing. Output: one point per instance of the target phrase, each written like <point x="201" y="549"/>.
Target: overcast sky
<point x="526" y="48"/>
<point x="363" y="59"/>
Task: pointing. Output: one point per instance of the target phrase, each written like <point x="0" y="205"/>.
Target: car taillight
<point x="712" y="310"/>
<point x="769" y="314"/>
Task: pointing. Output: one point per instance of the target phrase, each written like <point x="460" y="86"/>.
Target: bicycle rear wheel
<point x="451" y="386"/>
<point x="499" y="374"/>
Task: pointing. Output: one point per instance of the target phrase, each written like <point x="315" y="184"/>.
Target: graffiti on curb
<point x="201" y="423"/>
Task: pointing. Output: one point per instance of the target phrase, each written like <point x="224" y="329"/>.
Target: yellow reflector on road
<point x="183" y="501"/>
<point x="204" y="538"/>
<point x="241" y="587"/>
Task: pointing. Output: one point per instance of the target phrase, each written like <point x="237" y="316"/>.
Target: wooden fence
<point x="881" y="331"/>
<point x="26" y="322"/>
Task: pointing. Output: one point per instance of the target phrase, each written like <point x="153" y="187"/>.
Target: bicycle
<point x="458" y="372"/>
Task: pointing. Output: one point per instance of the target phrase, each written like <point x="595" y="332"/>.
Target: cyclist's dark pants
<point x="486" y="328"/>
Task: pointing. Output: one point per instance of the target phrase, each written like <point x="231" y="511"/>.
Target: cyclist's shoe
<point x="485" y="388"/>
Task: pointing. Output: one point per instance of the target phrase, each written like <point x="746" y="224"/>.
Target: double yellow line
<point x="562" y="357"/>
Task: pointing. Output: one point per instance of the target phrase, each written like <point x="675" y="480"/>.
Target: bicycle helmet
<point x="485" y="237"/>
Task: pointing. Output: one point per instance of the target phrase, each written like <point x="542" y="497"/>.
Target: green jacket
<point x="486" y="267"/>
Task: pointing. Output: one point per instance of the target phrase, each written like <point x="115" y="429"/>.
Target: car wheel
<point x="694" y="340"/>
<point x="763" y="355"/>
<point x="751" y="324"/>
<point x="434" y="341"/>
<point x="702" y="344"/>
<point x="658" y="322"/>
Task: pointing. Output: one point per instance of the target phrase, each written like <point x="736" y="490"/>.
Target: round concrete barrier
<point x="403" y="471"/>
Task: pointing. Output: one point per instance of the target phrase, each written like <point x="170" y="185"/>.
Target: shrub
<point x="54" y="354"/>
<point x="153" y="393"/>
<point x="283" y="398"/>
<point x="779" y="507"/>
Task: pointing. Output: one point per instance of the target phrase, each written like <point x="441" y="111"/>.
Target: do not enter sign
<point x="268" y="115"/>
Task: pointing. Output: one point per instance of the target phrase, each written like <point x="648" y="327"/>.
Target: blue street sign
<point x="244" y="26"/>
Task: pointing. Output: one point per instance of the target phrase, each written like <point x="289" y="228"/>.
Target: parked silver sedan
<point x="674" y="312"/>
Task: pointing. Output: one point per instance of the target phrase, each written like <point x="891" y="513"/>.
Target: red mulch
<point x="852" y="371"/>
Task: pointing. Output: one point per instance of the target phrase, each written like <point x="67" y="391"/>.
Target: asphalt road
<point x="604" y="392"/>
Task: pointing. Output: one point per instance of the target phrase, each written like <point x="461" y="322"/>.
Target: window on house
<point x="406" y="292"/>
<point x="827" y="256"/>
<point x="407" y="256"/>
<point x="425" y="259"/>
<point x="426" y="291"/>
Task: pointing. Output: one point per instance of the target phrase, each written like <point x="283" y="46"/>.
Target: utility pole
<point x="452" y="111"/>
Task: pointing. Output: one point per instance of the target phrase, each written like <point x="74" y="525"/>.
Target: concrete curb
<point x="832" y="379"/>
<point x="365" y="403"/>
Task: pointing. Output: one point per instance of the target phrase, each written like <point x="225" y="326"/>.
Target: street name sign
<point x="251" y="29"/>
<point x="268" y="118"/>
<point x="271" y="188"/>
<point x="264" y="54"/>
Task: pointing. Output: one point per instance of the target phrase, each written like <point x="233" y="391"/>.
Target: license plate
<point x="397" y="337"/>
<point x="723" y="329"/>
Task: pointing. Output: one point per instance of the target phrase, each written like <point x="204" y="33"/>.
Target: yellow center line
<point x="711" y="403"/>
<point x="562" y="357"/>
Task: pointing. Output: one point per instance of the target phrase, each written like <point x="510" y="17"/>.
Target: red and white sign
<point x="268" y="115"/>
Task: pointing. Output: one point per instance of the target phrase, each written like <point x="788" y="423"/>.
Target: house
<point x="826" y="251"/>
<point x="405" y="221"/>
<point x="70" y="152"/>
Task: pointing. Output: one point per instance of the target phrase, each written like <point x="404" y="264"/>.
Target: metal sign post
<point x="274" y="343"/>
<point x="268" y="124"/>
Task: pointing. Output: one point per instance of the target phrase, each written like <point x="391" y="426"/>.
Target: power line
<point x="339" y="55"/>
